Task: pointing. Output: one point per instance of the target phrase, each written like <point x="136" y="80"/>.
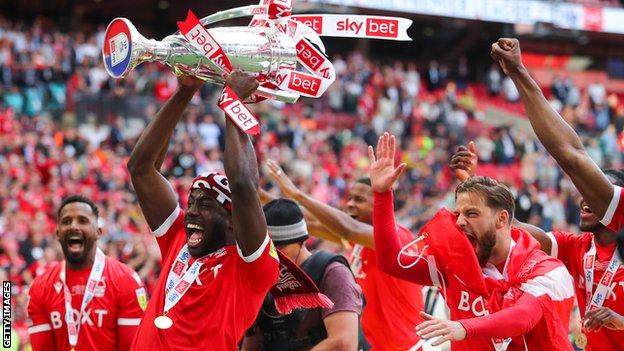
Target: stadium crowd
<point x="49" y="149"/>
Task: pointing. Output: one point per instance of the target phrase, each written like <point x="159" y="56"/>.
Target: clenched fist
<point x="506" y="52"/>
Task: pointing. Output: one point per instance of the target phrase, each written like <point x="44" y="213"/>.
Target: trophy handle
<point x="237" y="12"/>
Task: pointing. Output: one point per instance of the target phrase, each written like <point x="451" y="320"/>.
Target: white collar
<point x="493" y="272"/>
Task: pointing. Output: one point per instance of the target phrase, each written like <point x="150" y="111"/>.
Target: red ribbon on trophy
<point x="310" y="52"/>
<point x="199" y="37"/>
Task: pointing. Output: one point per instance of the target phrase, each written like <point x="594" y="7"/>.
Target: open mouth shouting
<point x="75" y="244"/>
<point x="586" y="213"/>
<point x="194" y="234"/>
<point x="473" y="240"/>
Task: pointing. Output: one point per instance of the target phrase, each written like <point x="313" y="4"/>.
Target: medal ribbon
<point x="73" y="326"/>
<point x="180" y="278"/>
<point x="597" y="299"/>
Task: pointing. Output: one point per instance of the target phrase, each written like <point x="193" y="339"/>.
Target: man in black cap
<point x="334" y="328"/>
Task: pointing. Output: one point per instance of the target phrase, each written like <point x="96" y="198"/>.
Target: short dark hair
<point x="77" y="198"/>
<point x="616" y="174"/>
<point x="364" y="180"/>
<point x="496" y="194"/>
<point x="282" y="212"/>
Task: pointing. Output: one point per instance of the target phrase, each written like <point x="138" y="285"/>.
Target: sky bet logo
<point x="373" y="27"/>
<point x="6" y="314"/>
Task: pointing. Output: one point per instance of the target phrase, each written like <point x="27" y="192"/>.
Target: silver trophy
<point x="257" y="50"/>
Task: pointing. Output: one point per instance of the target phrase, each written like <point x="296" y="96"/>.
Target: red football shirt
<point x="219" y="306"/>
<point x="459" y="275"/>
<point x="614" y="217"/>
<point x="571" y="249"/>
<point x="110" y="320"/>
<point x="392" y="305"/>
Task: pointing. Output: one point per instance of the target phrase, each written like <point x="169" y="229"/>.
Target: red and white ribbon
<point x="305" y="31"/>
<point x="357" y="26"/>
<point x="322" y="73"/>
<point x="230" y="103"/>
<point x="73" y="325"/>
<point x="180" y="278"/>
<point x="270" y="10"/>
<point x="200" y="38"/>
<point x="596" y="299"/>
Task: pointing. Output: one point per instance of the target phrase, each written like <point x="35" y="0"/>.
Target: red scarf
<point x="295" y="289"/>
<point x="527" y="262"/>
<point x="454" y="255"/>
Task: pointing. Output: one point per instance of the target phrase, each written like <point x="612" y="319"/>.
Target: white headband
<point x="288" y="233"/>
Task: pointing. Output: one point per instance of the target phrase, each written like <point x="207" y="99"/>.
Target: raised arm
<point x="537" y="233"/>
<point x="315" y="228"/>
<point x="388" y="246"/>
<point x="241" y="169"/>
<point x="156" y="197"/>
<point x="552" y="130"/>
<point x="337" y="221"/>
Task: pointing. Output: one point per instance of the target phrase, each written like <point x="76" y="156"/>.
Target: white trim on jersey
<point x="128" y="321"/>
<point x="254" y="256"/>
<point x="557" y="284"/>
<point x="166" y="225"/>
<point x="554" y="247"/>
<point x="613" y="205"/>
<point x="39" y="328"/>
<point x="433" y="271"/>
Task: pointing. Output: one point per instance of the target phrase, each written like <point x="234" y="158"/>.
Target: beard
<point x="486" y="245"/>
<point x="77" y="258"/>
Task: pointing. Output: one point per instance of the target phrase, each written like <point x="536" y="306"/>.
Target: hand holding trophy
<point x="269" y="48"/>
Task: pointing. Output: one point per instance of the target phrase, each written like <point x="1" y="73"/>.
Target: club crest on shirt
<point x="100" y="288"/>
<point x="141" y="297"/>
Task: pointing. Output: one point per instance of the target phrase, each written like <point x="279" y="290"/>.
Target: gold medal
<point x="163" y="322"/>
<point x="580" y="340"/>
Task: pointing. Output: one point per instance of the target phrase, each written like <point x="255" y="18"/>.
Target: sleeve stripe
<point x="254" y="256"/>
<point x="557" y="284"/>
<point x="554" y="247"/>
<point x="613" y="205"/>
<point x="39" y="328"/>
<point x="128" y="321"/>
<point x="164" y="227"/>
<point x="433" y="271"/>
